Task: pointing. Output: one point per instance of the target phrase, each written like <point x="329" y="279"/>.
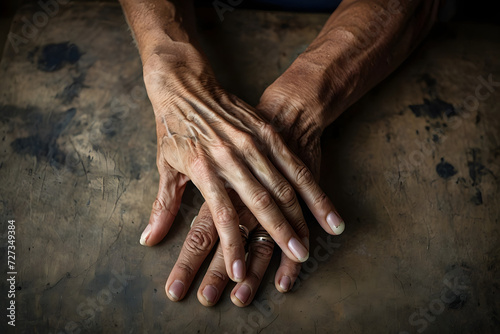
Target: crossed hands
<point x="237" y="157"/>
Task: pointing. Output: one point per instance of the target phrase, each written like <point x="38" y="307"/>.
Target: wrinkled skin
<point x="236" y="155"/>
<point x="203" y="236"/>
<point x="217" y="141"/>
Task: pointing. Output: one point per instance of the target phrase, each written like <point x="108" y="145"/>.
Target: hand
<point x="212" y="138"/>
<point x="199" y="243"/>
<point x="203" y="236"/>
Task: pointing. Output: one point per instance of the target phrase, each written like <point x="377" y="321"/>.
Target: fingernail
<point x="210" y="294"/>
<point x="145" y="235"/>
<point x="238" y="270"/>
<point x="176" y="290"/>
<point x="298" y="250"/>
<point x="285" y="283"/>
<point x="336" y="223"/>
<point x="192" y="222"/>
<point x="243" y="293"/>
<point x="305" y="241"/>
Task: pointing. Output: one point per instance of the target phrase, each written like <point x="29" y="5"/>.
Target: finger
<point x="199" y="242"/>
<point x="282" y="192"/>
<point x="303" y="181"/>
<point x="165" y="207"/>
<point x="214" y="281"/>
<point x="287" y="274"/>
<point x="263" y="207"/>
<point x="225" y="218"/>
<point x="259" y="256"/>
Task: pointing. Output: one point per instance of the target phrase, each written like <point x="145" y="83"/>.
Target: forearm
<point x="362" y="42"/>
<point x="162" y="27"/>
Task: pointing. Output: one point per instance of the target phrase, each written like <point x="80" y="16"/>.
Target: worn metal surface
<point x="416" y="181"/>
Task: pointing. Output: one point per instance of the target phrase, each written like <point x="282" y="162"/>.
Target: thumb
<point x="165" y="206"/>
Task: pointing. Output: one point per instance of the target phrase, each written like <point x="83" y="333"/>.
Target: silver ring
<point x="244" y="232"/>
<point x="262" y="236"/>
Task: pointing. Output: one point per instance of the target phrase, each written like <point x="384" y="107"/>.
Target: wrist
<point x="297" y="124"/>
<point x="309" y="89"/>
<point x="171" y="58"/>
<point x="169" y="75"/>
<point x="323" y="80"/>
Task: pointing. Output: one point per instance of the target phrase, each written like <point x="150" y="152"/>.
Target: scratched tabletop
<point x="413" y="168"/>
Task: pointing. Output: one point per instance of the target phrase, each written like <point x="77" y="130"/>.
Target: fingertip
<point x="337" y="224"/>
<point x="284" y="284"/>
<point x="305" y="241"/>
<point x="175" y="291"/>
<point x="300" y="252"/>
<point x="208" y="295"/>
<point x="160" y="221"/>
<point x="145" y="235"/>
<point x="339" y="229"/>
<point x="287" y="274"/>
<point x="236" y="301"/>
<point x="238" y="269"/>
<point x="241" y="295"/>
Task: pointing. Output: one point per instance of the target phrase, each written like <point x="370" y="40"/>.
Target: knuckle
<point x="204" y="219"/>
<point x="319" y="200"/>
<point x="199" y="165"/>
<point x="285" y="195"/>
<point x="185" y="267"/>
<point x="221" y="149"/>
<point x="217" y="275"/>
<point x="301" y="229"/>
<point x="157" y="210"/>
<point x="262" y="250"/>
<point x="280" y="227"/>
<point x="232" y="247"/>
<point x="255" y="276"/>
<point x="246" y="140"/>
<point x="224" y="155"/>
<point x="293" y="270"/>
<point x="261" y="200"/>
<point x="225" y="217"/>
<point x="245" y="215"/>
<point x="158" y="205"/>
<point x="199" y="240"/>
<point x="303" y="176"/>
<point x="267" y="131"/>
<point x="247" y="143"/>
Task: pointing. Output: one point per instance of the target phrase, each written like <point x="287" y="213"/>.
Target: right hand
<point x="212" y="138"/>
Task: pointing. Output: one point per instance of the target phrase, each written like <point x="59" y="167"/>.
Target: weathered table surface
<point x="413" y="168"/>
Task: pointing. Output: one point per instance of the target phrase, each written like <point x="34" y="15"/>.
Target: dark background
<point x="483" y="11"/>
<point x="478" y="10"/>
